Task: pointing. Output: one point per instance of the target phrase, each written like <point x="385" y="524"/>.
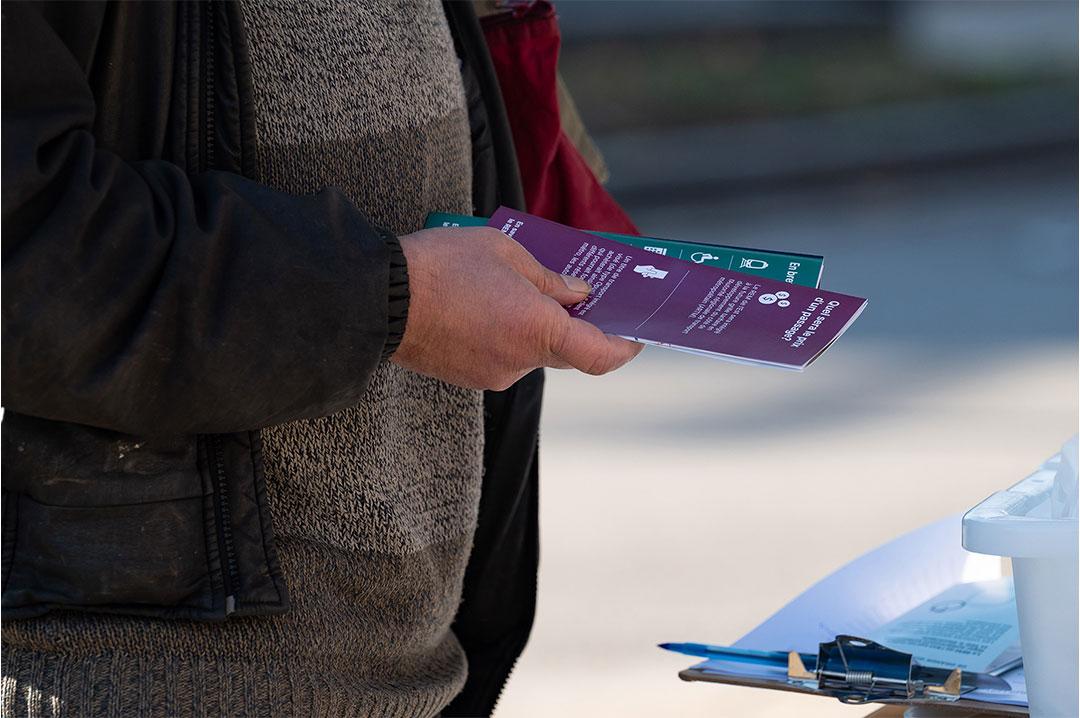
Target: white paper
<point x="874" y="589"/>
<point x="966" y="626"/>
<point x="871" y="591"/>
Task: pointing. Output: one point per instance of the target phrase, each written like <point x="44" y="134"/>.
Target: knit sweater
<point x="374" y="507"/>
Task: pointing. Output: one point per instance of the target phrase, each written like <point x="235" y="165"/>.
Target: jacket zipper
<point x="207" y="65"/>
<point x="224" y="521"/>
<point x="216" y="461"/>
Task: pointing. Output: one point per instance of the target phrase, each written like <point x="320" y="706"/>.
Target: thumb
<point x="563" y="288"/>
<point x="587" y="349"/>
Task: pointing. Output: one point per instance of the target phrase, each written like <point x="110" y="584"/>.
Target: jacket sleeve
<point x="141" y="299"/>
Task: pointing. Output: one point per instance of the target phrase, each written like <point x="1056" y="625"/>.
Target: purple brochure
<point x="691" y="307"/>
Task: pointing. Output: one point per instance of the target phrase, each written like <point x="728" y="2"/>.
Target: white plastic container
<point x="1035" y="524"/>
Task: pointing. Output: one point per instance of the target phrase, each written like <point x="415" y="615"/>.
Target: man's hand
<point x="483" y="313"/>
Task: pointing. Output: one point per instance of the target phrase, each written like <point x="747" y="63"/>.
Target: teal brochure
<point x="802" y="269"/>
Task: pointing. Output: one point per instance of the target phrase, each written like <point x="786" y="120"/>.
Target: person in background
<point x="248" y="468"/>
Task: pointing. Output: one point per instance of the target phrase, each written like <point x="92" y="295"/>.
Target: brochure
<point x="696" y="308"/>
<point x="970" y="625"/>
<point x="804" y="269"/>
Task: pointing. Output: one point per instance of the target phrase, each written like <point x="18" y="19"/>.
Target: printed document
<point x="682" y="305"/>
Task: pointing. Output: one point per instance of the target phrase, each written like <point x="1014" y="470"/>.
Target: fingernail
<point x="575" y="284"/>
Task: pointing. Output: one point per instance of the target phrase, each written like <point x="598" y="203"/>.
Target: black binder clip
<point x="856" y="670"/>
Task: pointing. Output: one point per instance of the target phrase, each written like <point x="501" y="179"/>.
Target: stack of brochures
<point x="745" y="305"/>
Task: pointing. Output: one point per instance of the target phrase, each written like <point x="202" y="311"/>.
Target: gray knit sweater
<point x="374" y="507"/>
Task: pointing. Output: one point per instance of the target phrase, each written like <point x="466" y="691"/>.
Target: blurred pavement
<point x="688" y="499"/>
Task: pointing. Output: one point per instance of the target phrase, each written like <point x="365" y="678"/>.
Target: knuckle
<point x="554" y="336"/>
<point x="597" y="365"/>
<point x="546" y="280"/>
<point x="499" y="241"/>
<point x="503" y="382"/>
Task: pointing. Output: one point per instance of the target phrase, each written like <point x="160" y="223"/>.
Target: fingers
<point x="574" y="343"/>
<point x="565" y="290"/>
<point x="587" y="349"/>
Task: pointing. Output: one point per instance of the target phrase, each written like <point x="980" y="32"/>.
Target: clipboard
<point x="859" y="598"/>
<point x="696" y="674"/>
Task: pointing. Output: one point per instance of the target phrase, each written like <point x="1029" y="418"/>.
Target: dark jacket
<point x="157" y="311"/>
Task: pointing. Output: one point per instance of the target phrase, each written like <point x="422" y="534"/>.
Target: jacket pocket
<point x="100" y="521"/>
<point x="108" y="557"/>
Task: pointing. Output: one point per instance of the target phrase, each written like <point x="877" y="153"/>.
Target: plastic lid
<point x="1017" y="522"/>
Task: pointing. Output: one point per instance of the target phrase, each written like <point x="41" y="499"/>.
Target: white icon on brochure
<point x="753" y="264"/>
<point x="780" y="299"/>
<point x="650" y="272"/>
<point x="699" y="257"/>
<point x="656" y="250"/>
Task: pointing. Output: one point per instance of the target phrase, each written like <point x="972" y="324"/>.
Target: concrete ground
<point x="688" y="499"/>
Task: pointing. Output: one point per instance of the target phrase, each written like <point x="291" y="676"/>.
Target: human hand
<point x="483" y="313"/>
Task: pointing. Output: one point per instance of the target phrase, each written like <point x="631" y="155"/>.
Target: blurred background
<point x="929" y="151"/>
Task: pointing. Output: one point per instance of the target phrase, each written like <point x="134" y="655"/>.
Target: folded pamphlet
<point x="683" y="305"/>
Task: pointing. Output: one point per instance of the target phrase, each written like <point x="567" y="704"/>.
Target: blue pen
<point x="778" y="659"/>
